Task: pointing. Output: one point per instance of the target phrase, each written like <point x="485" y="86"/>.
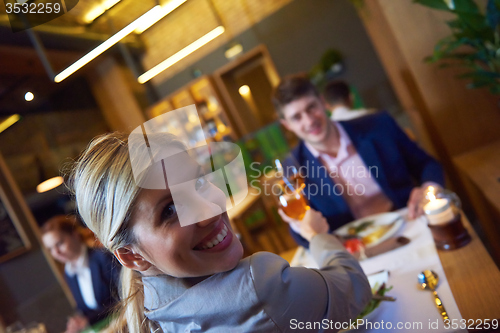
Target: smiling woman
<point x="183" y="268"/>
<point x="91" y="274"/>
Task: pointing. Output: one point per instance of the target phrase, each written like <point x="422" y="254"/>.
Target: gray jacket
<point x="264" y="294"/>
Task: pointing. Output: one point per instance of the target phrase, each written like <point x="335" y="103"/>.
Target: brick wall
<point x="193" y="20"/>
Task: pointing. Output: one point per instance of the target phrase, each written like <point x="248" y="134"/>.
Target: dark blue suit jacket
<point x="400" y="163"/>
<point x="105" y="274"/>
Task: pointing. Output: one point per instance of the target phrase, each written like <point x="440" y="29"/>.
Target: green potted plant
<point x="330" y="65"/>
<point x="474" y="42"/>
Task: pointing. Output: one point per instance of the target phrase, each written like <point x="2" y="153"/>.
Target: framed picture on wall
<point x="13" y="240"/>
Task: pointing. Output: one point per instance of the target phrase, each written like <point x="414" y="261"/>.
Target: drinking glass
<point x="288" y="188"/>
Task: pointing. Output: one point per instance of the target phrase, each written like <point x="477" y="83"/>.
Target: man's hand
<point x="76" y="324"/>
<point x="312" y="224"/>
<point x="417" y="195"/>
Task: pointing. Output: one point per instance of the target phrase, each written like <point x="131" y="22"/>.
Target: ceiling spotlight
<point x="29" y="96"/>
<point x="244" y="90"/>
<point x="233" y="50"/>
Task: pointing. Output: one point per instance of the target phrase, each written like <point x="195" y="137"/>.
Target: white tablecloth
<point x="413" y="305"/>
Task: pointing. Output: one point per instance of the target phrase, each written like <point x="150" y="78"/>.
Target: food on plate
<point x="377" y="234"/>
<point x="374" y="303"/>
<point x="361" y="227"/>
<point x="353" y="245"/>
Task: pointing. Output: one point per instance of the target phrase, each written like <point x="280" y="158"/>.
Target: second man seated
<point x="354" y="168"/>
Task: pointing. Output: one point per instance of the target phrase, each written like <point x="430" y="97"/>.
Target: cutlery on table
<point x="386" y="246"/>
<point x="429" y="280"/>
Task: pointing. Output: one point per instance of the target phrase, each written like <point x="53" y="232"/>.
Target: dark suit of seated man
<point x="354" y="168"/>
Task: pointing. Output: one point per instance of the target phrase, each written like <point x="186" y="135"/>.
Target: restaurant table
<point x="470" y="274"/>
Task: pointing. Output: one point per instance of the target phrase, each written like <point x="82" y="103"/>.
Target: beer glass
<point x="289" y="186"/>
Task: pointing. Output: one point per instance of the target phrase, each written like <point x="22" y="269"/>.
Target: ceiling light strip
<point x="99" y="10"/>
<point x="107" y="44"/>
<point x="9" y="122"/>
<point x="165" y="10"/>
<point x="180" y="55"/>
<point x="49" y="184"/>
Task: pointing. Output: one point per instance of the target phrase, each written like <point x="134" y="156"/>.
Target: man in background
<point x="340" y="101"/>
<point x="354" y="168"/>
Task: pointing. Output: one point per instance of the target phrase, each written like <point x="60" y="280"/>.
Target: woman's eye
<point x="168" y="212"/>
<point x="200" y="182"/>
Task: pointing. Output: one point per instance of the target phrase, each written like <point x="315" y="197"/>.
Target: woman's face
<point x="62" y="246"/>
<point x="198" y="249"/>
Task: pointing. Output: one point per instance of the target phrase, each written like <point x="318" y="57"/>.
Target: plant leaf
<point x="480" y="75"/>
<point x="454" y="24"/>
<point x="436" y="4"/>
<point x="466" y="6"/>
<point x="493" y="13"/>
<point x="474" y="24"/>
<point x="474" y="41"/>
<point x="474" y="85"/>
<point x="495" y="89"/>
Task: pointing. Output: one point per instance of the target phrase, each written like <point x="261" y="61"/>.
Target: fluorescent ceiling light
<point x="9" y="122"/>
<point x="180" y="55"/>
<point x="49" y="184"/>
<point x="142" y="21"/>
<point x="99" y="10"/>
<point x="165" y="10"/>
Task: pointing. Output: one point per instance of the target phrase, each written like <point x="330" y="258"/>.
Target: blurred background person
<point x="339" y="99"/>
<point x="91" y="273"/>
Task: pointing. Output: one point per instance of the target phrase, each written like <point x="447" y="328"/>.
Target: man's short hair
<point x="336" y="92"/>
<point x="291" y="88"/>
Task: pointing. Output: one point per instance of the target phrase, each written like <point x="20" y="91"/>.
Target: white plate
<point x="378" y="220"/>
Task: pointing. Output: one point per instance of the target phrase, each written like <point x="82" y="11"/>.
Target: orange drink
<point x="290" y="197"/>
<point x="293" y="203"/>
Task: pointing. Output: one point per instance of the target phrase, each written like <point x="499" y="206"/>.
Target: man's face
<point x="306" y="117"/>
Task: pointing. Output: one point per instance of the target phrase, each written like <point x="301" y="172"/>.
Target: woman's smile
<point x="217" y="240"/>
<point x="198" y="249"/>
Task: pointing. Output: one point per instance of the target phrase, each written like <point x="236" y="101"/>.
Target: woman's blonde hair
<point x="105" y="190"/>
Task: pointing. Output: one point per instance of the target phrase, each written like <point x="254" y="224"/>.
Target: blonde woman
<point x="192" y="278"/>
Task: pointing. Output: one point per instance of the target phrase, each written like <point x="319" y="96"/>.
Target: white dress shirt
<point x="81" y="269"/>
<point x="342" y="113"/>
<point x="358" y="184"/>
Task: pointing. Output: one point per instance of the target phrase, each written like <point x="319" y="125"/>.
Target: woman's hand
<point x="312" y="223"/>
